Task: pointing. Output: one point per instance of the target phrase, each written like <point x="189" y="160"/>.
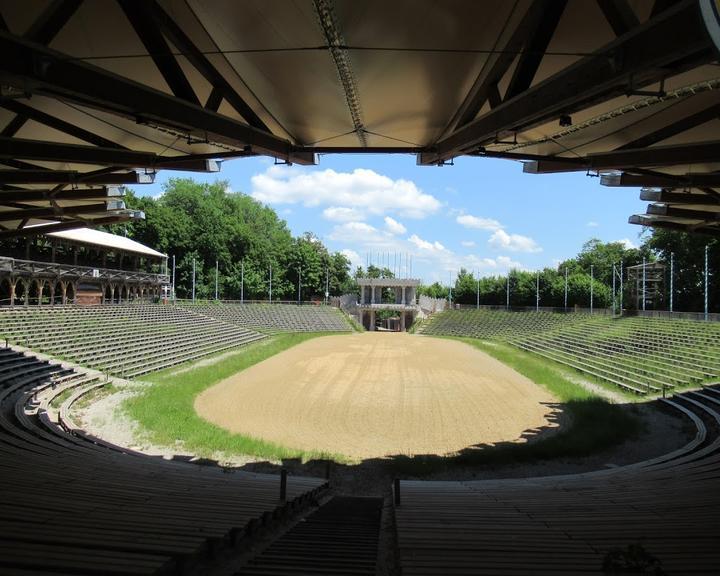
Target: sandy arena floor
<point x="377" y="394"/>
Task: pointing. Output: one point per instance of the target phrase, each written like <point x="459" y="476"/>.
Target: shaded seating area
<point x="276" y="317"/>
<point x="660" y="513"/>
<point x="125" y="340"/>
<point x="69" y="505"/>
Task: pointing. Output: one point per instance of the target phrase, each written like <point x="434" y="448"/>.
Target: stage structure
<point x="398" y="295"/>
<point x="82" y="266"/>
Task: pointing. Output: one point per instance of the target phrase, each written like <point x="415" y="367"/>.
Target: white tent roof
<point x="106" y="240"/>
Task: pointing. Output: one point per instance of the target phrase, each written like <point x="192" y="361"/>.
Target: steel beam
<point x="695" y="153"/>
<point x="641" y="220"/>
<point x="677" y="127"/>
<point x="669" y="197"/>
<point x="66" y="225"/>
<point x="673" y="40"/>
<point x="554" y="165"/>
<point x="158" y="49"/>
<point x="485" y="86"/>
<point x="619" y="15"/>
<point x="28" y="112"/>
<point x="72" y="177"/>
<point x="674" y="212"/>
<point x="50" y="22"/>
<point x="70" y="194"/>
<point x="39" y="70"/>
<point x="660" y="180"/>
<point x="76" y="153"/>
<point x="219" y="83"/>
<point x="535" y="47"/>
<point x="57" y="212"/>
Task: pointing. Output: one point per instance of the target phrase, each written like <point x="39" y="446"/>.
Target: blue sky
<point x="482" y="214"/>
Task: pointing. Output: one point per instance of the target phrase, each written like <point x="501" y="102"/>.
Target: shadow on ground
<point x="580" y="436"/>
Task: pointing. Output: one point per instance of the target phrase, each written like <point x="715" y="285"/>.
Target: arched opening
<point x="70" y="293"/>
<point x="5" y="292"/>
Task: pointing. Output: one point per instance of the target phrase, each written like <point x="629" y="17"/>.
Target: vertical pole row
<point x="643" y="286"/>
<point x="672" y="278"/>
<point x="507" y="292"/>
<point x="613" y="290"/>
<point x="706" y="281"/>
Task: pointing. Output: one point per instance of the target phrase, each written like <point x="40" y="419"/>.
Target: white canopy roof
<point x="106" y="240"/>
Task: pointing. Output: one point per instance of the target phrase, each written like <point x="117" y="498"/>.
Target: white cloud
<point x="468" y="243"/>
<point x="501" y="240"/>
<point x="342" y="214"/>
<point x="361" y="189"/>
<point x="627" y="243"/>
<point x="592" y="224"/>
<point x="355" y="232"/>
<point x="354" y="258"/>
<point x="393" y="226"/>
<point x="477" y="223"/>
<point x="426" y="246"/>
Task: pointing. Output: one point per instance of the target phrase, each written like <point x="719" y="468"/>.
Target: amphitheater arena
<point x="98" y="95"/>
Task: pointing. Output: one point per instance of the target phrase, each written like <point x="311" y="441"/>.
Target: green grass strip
<point x="166" y="410"/>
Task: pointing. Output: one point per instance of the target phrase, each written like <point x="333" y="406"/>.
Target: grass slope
<point x="167" y="414"/>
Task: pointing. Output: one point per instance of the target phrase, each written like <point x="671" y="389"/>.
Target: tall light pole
<point x="507" y="292"/>
<point x="193" y="282"/>
<point x="566" y="287"/>
<point x="327" y="284"/>
<point x="707" y="273"/>
<point x="242" y="281"/>
<point x="592" y="282"/>
<point x="270" y="286"/>
<point x="614" y="272"/>
<point x="217" y="269"/>
<point x="299" y="283"/>
<point x="537" y="291"/>
<point x="643" y="286"/>
<point x="672" y="278"/>
<point x="477" y="305"/>
<point x="173" y="279"/>
<point x="450" y="290"/>
<point x="621" y="287"/>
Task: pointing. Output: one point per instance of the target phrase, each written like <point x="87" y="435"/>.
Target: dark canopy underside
<point x="97" y="94"/>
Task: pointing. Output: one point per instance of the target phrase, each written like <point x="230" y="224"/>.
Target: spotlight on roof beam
<point x="565" y="120"/>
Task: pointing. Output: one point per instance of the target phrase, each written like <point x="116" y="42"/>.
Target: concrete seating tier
<point x="489" y="324"/>
<point x="642" y="355"/>
<point x="70" y="505"/>
<point x="126" y="340"/>
<point x="276" y="317"/>
<point x="576" y="524"/>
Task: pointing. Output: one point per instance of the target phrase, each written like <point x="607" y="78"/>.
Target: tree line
<point x="207" y="224"/>
<point x="591" y="273"/>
